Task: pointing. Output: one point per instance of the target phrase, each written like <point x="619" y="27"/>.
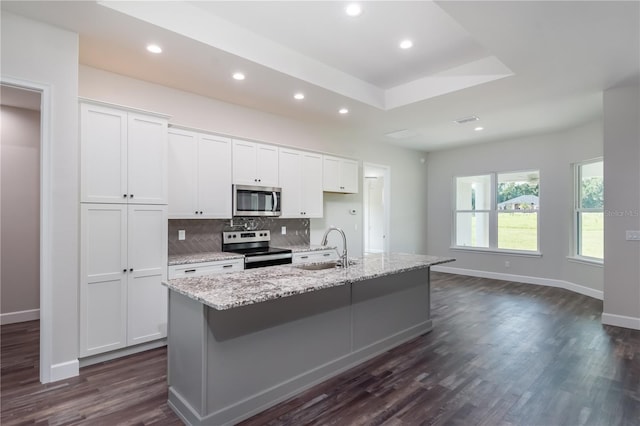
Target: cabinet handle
<point x="200" y="212"/>
<point x="327" y="254"/>
<point x="130" y="195"/>
<point x="130" y="269"/>
<point x="124" y="270"/>
<point x="304" y="257"/>
<point x="124" y="195"/>
<point x="227" y="266"/>
<point x="188" y="271"/>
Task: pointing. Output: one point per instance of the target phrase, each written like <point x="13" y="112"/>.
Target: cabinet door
<point x="183" y="174"/>
<point x="214" y="177"/>
<point x="291" y="183"/>
<point x="146" y="296"/>
<point x="103" y="148"/>
<point x="267" y="165"/>
<point x="244" y="163"/>
<point x="331" y="174"/>
<point x="312" y="196"/>
<point x="103" y="277"/>
<point x="349" y="176"/>
<point x="147" y="159"/>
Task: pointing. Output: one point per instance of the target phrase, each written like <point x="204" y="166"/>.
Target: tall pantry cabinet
<point x="123" y="227"/>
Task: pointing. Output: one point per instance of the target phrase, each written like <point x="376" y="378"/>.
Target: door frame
<point x="386" y="201"/>
<point x="46" y="218"/>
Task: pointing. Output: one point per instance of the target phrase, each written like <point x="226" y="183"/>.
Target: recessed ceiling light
<point x="353" y="9"/>
<point x="479" y="129"/>
<point x="299" y="96"/>
<point x="406" y="44"/>
<point x="238" y="76"/>
<point x="154" y="48"/>
<point x="343" y="111"/>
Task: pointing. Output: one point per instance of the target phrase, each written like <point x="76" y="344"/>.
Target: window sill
<point x="498" y="251"/>
<point x="586" y="260"/>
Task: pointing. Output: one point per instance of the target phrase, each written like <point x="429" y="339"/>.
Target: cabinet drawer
<point x="205" y="268"/>
<point x="315" y="256"/>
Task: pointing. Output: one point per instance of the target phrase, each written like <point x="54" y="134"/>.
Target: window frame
<point x="577" y="210"/>
<point x="493" y="217"/>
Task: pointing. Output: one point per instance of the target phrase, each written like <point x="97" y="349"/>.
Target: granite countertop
<point x="226" y="291"/>
<point x="185" y="259"/>
<point x="307" y="247"/>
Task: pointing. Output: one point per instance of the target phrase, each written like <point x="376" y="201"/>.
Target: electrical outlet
<point x="182" y="235"/>
<point x="283" y="230"/>
<point x="633" y="235"/>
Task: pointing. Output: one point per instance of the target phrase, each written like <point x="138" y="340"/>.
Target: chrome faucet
<point x="344" y="261"/>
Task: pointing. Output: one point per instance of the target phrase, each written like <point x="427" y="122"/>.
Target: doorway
<point x="20" y="205"/>
<point x="376" y="208"/>
<point x="23" y="95"/>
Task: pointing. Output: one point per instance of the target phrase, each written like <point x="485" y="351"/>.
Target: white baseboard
<point x="118" y="353"/>
<point x="621" y="321"/>
<point x="576" y="288"/>
<point x="64" y="370"/>
<point x="19" y="316"/>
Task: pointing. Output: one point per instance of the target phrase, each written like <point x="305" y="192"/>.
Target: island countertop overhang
<point x="233" y="290"/>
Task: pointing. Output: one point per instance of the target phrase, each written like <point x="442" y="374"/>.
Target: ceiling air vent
<point x="468" y="119"/>
<point x="402" y="134"/>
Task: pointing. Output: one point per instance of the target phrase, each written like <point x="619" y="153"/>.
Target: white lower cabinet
<point x="206" y="268"/>
<point x="315" y="256"/>
<point x="123" y="258"/>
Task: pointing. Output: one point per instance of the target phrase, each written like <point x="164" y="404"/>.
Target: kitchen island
<point x="239" y="343"/>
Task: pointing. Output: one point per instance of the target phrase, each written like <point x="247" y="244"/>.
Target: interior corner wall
<point x="622" y="205"/>
<point x="36" y="52"/>
<point x="20" y="224"/>
<point x="552" y="154"/>
<point x="408" y="174"/>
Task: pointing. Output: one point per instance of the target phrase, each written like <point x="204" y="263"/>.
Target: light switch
<point x="283" y="230"/>
<point x="181" y="235"/>
<point x="633" y="235"/>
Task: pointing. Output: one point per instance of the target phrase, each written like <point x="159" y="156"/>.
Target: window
<point x="589" y="210"/>
<point x="498" y="211"/>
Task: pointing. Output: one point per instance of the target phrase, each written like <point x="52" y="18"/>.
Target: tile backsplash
<point x="204" y="235"/>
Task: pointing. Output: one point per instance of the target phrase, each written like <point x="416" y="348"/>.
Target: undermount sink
<point x="317" y="266"/>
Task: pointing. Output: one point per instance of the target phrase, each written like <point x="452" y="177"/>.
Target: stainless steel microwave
<point x="249" y="200"/>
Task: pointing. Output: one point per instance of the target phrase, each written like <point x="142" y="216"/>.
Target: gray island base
<point x="235" y="350"/>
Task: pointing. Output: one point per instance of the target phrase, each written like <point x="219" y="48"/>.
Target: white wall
<point x="20" y="228"/>
<point x="553" y="155"/>
<point x="408" y="204"/>
<point x="41" y="53"/>
<point x="622" y="205"/>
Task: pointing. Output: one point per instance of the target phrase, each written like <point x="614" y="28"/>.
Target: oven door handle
<point x="254" y="259"/>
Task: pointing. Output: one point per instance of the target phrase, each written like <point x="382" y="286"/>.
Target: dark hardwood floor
<point x="501" y="353"/>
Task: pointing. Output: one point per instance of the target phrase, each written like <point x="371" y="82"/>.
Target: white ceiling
<point x="522" y="67"/>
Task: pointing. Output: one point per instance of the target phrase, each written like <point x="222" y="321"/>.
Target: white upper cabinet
<point x="301" y="182"/>
<point x="312" y="185"/>
<point x="123" y="156"/>
<point x="340" y="175"/>
<point x="199" y="175"/>
<point x="255" y="164"/>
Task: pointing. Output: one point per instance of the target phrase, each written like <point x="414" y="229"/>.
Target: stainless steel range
<point x="254" y="245"/>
